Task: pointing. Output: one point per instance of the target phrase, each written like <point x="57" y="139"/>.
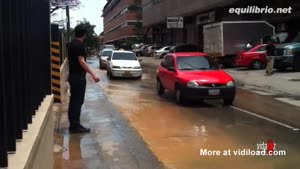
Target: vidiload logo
<point x="264" y="148"/>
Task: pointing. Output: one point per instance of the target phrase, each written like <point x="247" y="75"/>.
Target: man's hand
<point x="96" y="78"/>
<point x="87" y="69"/>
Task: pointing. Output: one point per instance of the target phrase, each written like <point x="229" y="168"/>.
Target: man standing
<point x="77" y="79"/>
<point x="270" y="53"/>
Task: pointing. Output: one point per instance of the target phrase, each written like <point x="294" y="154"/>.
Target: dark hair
<point x="80" y="31"/>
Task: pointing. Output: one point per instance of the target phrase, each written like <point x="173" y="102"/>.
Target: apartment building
<point x="197" y="13"/>
<point x="122" y="21"/>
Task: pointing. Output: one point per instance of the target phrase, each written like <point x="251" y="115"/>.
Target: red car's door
<point x="170" y="74"/>
<point x="163" y="71"/>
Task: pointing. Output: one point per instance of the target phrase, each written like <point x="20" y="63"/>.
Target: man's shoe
<point x="79" y="129"/>
<point x="84" y="129"/>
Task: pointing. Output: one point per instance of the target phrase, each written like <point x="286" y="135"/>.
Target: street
<point x="175" y="134"/>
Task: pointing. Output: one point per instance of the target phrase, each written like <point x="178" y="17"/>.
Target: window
<point x="171" y="62"/>
<point x="124" y="56"/>
<point x="168" y="62"/>
<point x="196" y="63"/>
<point x="260" y="49"/>
<point x="133" y="23"/>
<point x="106" y="53"/>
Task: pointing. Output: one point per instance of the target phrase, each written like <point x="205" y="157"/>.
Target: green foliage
<point x="92" y="39"/>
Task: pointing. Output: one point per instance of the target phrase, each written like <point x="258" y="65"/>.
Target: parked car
<point x="103" y="57"/>
<point x="136" y="47"/>
<point x="288" y="56"/>
<point x="255" y="58"/>
<point x="287" y="50"/>
<point x="102" y="47"/>
<point x="144" y="50"/>
<point x="160" y="53"/>
<point x="124" y="64"/>
<point x="194" y="75"/>
<point x="139" y="51"/>
<point x="151" y="50"/>
<point x="184" y="48"/>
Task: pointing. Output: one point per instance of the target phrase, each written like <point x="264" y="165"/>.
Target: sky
<point x="89" y="9"/>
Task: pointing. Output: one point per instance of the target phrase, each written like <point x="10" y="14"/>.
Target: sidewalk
<point x="280" y="83"/>
<point x="112" y="143"/>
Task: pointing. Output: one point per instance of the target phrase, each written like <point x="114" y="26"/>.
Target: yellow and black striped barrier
<point x="55" y="71"/>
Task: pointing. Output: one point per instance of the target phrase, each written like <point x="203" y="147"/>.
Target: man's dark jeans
<point x="77" y="89"/>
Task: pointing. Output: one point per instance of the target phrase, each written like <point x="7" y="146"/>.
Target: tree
<point x="56" y="4"/>
<point x="92" y="39"/>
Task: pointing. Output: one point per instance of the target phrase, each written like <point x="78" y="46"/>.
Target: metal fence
<point x="24" y="67"/>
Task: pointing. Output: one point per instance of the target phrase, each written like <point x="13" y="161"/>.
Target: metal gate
<point x="25" y="77"/>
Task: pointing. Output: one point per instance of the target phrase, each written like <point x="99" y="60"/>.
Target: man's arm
<point x="87" y="68"/>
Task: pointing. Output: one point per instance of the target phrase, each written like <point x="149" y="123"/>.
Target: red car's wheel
<point x="159" y="88"/>
<point x="179" y="97"/>
<point x="256" y="65"/>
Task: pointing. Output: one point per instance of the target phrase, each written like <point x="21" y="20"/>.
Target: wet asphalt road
<point x="175" y="134"/>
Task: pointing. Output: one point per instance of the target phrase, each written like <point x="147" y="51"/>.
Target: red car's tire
<point x="159" y="88"/>
<point x="256" y="65"/>
<point x="180" y="99"/>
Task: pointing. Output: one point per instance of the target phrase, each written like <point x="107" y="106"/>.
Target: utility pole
<point x="68" y="23"/>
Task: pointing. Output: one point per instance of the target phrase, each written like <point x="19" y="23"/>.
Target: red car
<point x="255" y="58"/>
<point x="194" y="75"/>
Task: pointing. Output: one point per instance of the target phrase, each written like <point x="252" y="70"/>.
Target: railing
<point x="24" y="68"/>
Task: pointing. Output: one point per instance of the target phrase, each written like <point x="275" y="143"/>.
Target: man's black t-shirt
<point x="76" y="49"/>
<point x="270" y="50"/>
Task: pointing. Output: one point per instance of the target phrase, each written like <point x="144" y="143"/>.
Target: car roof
<point x="107" y="49"/>
<point x="187" y="54"/>
<point x="122" y="51"/>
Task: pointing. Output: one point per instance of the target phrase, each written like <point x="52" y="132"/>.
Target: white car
<point x="160" y="53"/>
<point x="124" y="64"/>
<point x="103" y="57"/>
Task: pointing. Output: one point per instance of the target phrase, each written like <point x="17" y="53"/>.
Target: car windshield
<point x="106" y="53"/>
<point x="196" y="63"/>
<point x="124" y="56"/>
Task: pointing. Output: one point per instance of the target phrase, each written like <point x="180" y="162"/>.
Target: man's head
<point x="80" y="32"/>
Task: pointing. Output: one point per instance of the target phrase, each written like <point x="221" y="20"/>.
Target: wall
<point x="36" y="149"/>
<point x="64" y="69"/>
<point x="123" y="32"/>
<point x="115" y="27"/>
<point x="178" y="8"/>
<point x="193" y="34"/>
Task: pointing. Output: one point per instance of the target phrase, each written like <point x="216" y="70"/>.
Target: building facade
<point x="197" y="13"/>
<point x="122" y="22"/>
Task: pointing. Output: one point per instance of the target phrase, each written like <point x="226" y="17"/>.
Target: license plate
<point x="127" y="73"/>
<point x="214" y="92"/>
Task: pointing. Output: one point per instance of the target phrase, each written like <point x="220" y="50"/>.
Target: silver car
<point x="103" y="57"/>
